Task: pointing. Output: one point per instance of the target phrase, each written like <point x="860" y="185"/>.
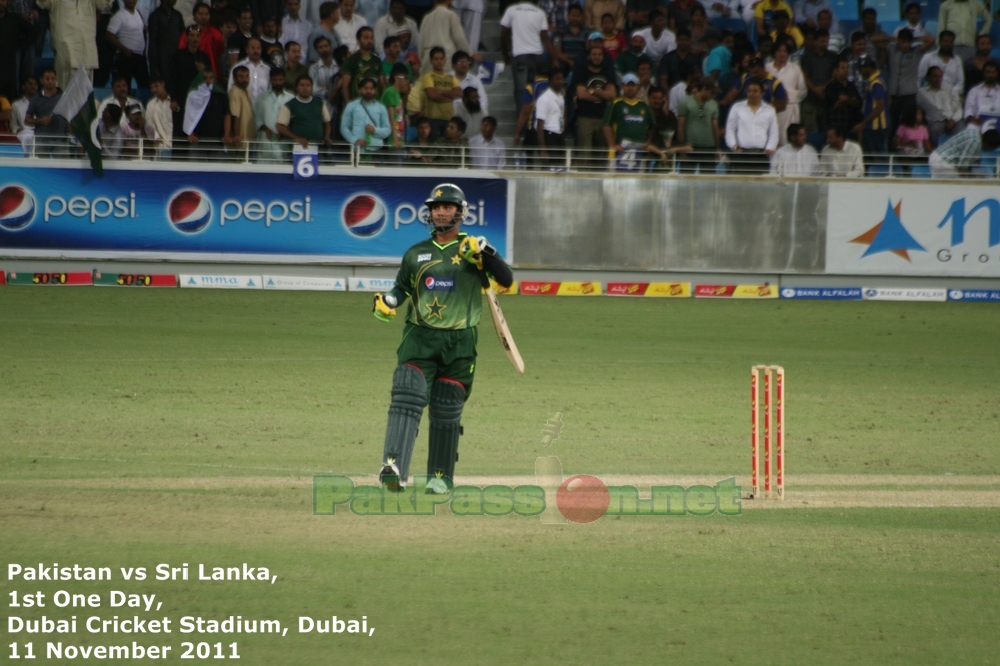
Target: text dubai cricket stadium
<point x="464" y="416"/>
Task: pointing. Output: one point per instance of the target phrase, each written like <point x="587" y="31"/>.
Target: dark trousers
<point x="899" y="106"/>
<point x="556" y="156"/>
<point x="524" y="69"/>
<point x="133" y="67"/>
<point x="874" y="141"/>
<point x="750" y="162"/>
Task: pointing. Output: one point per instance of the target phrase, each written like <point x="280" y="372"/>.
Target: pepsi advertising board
<point x="232" y="214"/>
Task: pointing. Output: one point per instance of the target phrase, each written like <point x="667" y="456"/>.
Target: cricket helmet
<point x="446" y="193"/>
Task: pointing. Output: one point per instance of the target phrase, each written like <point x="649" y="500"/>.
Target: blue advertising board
<point x="231" y="213"/>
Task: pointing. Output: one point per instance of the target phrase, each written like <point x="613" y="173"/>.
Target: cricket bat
<point x="503" y="332"/>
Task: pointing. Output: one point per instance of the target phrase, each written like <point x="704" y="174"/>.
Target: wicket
<point x="765" y="371"/>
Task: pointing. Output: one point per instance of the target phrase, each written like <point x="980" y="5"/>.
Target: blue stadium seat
<point x="848" y="26"/>
<point x="846" y="10"/>
<point x="887" y="10"/>
<point x="11" y="150"/>
<point x="882" y="171"/>
<point x="891" y="25"/>
<point x="734" y="24"/>
<point x="817" y="140"/>
<point x="920" y="171"/>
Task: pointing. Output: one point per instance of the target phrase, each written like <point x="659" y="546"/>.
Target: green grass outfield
<point x="171" y="426"/>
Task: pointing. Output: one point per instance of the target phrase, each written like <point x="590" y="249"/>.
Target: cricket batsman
<point x="437" y="357"/>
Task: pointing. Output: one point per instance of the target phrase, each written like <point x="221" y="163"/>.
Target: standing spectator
<point x="720" y="53"/>
<point x="921" y="38"/>
<point x="272" y="52"/>
<point x="394" y="99"/>
<point x="763" y="14"/>
<point x="941" y="106"/>
<point x="50" y="130"/>
<point x="698" y="127"/>
<point x="952" y="71"/>
<point x="729" y="83"/>
<point x="721" y="9"/>
<point x="752" y="132"/>
<point x="974" y="65"/>
<point x="595" y="89"/>
<point x="982" y="106"/>
<point x="160" y="116"/>
<point x="840" y="157"/>
<point x="527" y="118"/>
<point x="524" y="36"/>
<point x="390" y="24"/>
<point x="392" y="50"/>
<point x="323" y="70"/>
<point x="349" y="24"/>
<point x="644" y="70"/>
<point x="421" y="151"/>
<point x="19" y="110"/>
<point x="305" y="119"/>
<point x="784" y="30"/>
<point x="659" y="41"/>
<point x="74" y="35"/>
<point x="294" y="28"/>
<point x="817" y="69"/>
<point x="637" y="13"/>
<point x="807" y="14"/>
<point x="877" y="39"/>
<point x="450" y="149"/>
<point x="958" y="154"/>
<point x="329" y="13"/>
<point x="469" y="109"/>
<point x="594" y="11"/>
<point x="826" y="22"/>
<point x="557" y="14"/>
<point x="442" y="27"/>
<point x="408" y="51"/>
<point x="187" y="62"/>
<point x="796" y="157"/>
<point x="614" y="40"/>
<point x="205" y="114"/>
<point x="16" y="36"/>
<point x="959" y="17"/>
<point x="211" y="42"/>
<point x="293" y="63"/>
<point x="698" y="27"/>
<point x="774" y="92"/>
<point x="372" y="10"/>
<point x="135" y="130"/>
<point x="258" y="71"/>
<point x="365" y="122"/>
<point x="441" y="89"/>
<point x="571" y="43"/>
<point x="266" y="112"/>
<point x="236" y="43"/>
<point x="110" y="132"/>
<point x="165" y="29"/>
<point x="790" y="76"/>
<point x="854" y="54"/>
<point x="461" y="62"/>
<point x="682" y="89"/>
<point x="628" y="121"/>
<point x="471" y="14"/>
<point x="360" y="65"/>
<point x="663" y="143"/>
<point x="628" y="60"/>
<point x="550" y="119"/>
<point x="903" y="80"/>
<point x="485" y="149"/>
<point x="912" y="136"/>
<point x="127" y="33"/>
<point x="873" y="128"/>
<point x="241" y="125"/>
<point x="119" y="96"/>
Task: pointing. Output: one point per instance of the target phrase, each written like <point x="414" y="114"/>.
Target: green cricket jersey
<point x="629" y="121"/>
<point x="444" y="289"/>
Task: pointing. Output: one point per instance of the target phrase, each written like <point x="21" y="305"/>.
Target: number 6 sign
<point x="305" y="163"/>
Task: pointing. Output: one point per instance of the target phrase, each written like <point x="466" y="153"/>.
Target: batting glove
<point x="381" y="309"/>
<point x="469" y="249"/>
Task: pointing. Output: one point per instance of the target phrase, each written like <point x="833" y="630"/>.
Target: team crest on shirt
<point x="424" y="257"/>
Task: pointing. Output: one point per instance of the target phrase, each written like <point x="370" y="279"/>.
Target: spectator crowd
<point x="757" y="86"/>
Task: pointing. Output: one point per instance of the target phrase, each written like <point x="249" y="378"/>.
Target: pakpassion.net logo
<point x="581" y="499"/>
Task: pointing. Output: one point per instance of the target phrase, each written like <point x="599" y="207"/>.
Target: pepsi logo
<point x="429" y="283"/>
<point x="189" y="211"/>
<point x="364" y="215"/>
<point x="17" y="208"/>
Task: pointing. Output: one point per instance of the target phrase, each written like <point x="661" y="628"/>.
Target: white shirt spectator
<point x="713" y="12"/>
<point x="473" y="81"/>
<point x="18" y="109"/>
<point x="260" y="78"/>
<point x="953" y="75"/>
<point x="161" y="118"/>
<point x="347" y="31"/>
<point x="487" y="154"/>
<point x="372" y="11"/>
<point x="810" y="9"/>
<point x="677" y="93"/>
<point x="526" y="23"/>
<point x="129" y="101"/>
<point x="847" y="162"/>
<point x="551" y="107"/>
<point x="939" y="105"/>
<point x="657" y="48"/>
<point x="321" y="75"/>
<point x="983" y="101"/>
<point x="129" y="28"/>
<point x="386" y="27"/>
<point x="296" y="30"/>
<point x="751" y="130"/>
<point x="792" y="161"/>
<point x="919" y="30"/>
